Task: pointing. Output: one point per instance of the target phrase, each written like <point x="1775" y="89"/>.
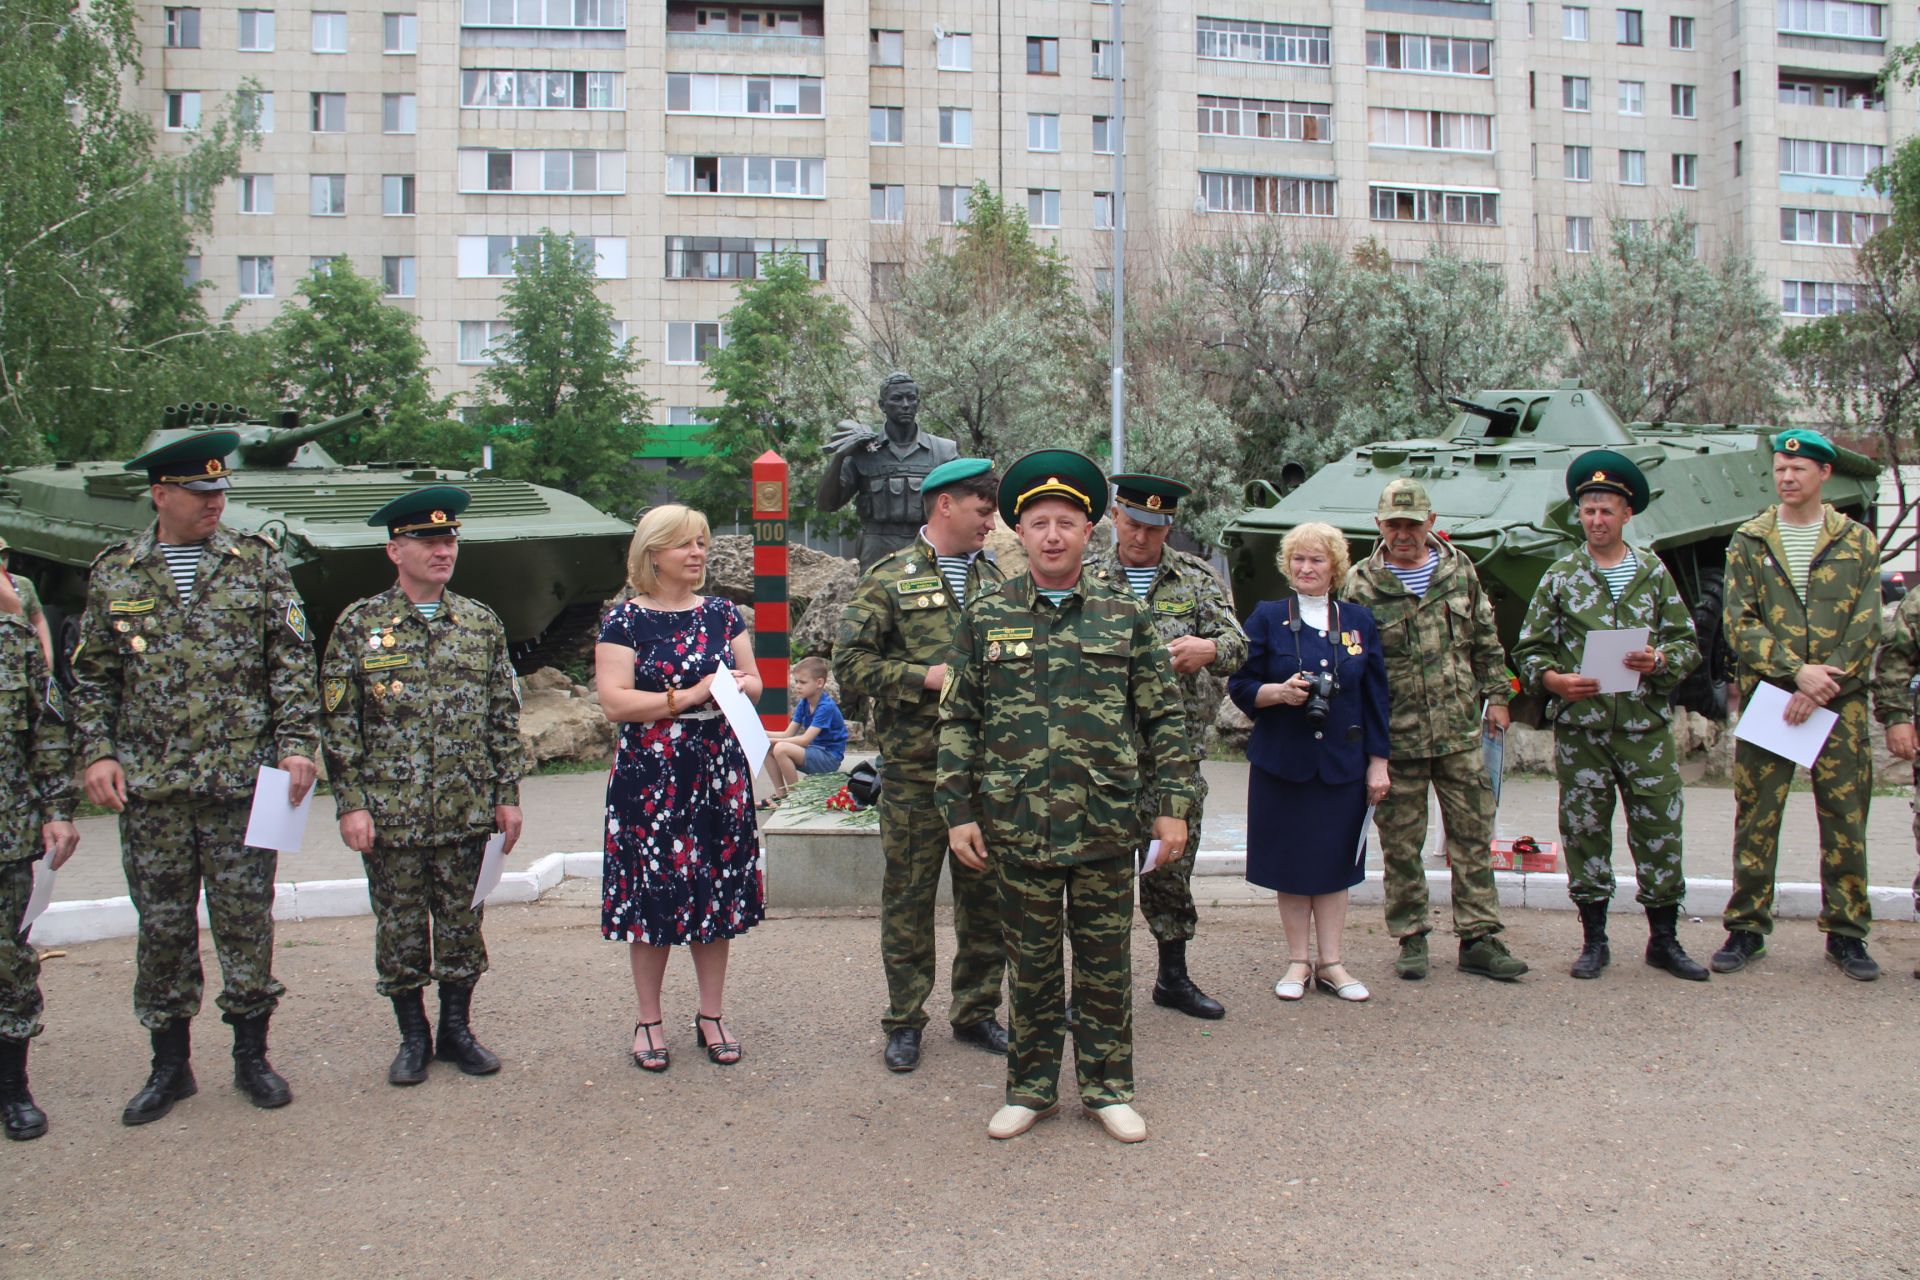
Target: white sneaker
<point x="1013" y="1120"/>
<point x="1120" y="1121"/>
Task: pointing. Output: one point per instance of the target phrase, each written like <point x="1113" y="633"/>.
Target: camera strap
<point x="1293" y="625"/>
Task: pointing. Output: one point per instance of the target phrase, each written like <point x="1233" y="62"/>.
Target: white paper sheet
<point x="1366" y="825"/>
<point x="42" y="893"/>
<point x="1603" y="658"/>
<point x="1764" y="724"/>
<point x="492" y="863"/>
<point x="742" y="718"/>
<point x="273" y="823"/>
<point x="1152" y="857"/>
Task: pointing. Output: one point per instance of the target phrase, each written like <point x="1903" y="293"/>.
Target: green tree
<point x="98" y="324"/>
<point x="560" y="400"/>
<point x="789" y="370"/>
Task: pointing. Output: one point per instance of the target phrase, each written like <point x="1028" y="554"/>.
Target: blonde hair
<point x="671" y="525"/>
<point x="1323" y="537"/>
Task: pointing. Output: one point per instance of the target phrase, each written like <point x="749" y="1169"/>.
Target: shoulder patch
<point x="335" y="690"/>
<point x="296" y="620"/>
<point x="55" y="700"/>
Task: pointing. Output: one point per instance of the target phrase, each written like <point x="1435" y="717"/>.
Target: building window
<point x="1833" y="18"/>
<point x="183" y="110"/>
<point x="399" y="113"/>
<point x="1103" y="135"/>
<point x="1435" y="55"/>
<point x="886" y="204"/>
<point x="256" y="277"/>
<point x="1043" y="56"/>
<point x="738" y="257"/>
<point x="1633" y="168"/>
<point x="956" y="127"/>
<point x="1579" y="235"/>
<point x="1573" y="23"/>
<point x="1266" y="118"/>
<point x="1103" y="60"/>
<point x="190" y="272"/>
<point x="1863" y="95"/>
<point x="1736" y="88"/>
<point x="256" y="106"/>
<point x="398" y="275"/>
<point x="479" y="339"/>
<point x="1429" y="130"/>
<point x="1573" y="93"/>
<point x="885" y="126"/>
<point x="689" y="342"/>
<point x="1686" y="171"/>
<point x="1806" y="158"/>
<point x="396" y="195"/>
<point x="256" y="192"/>
<point x="256" y="31"/>
<point x="329" y="112"/>
<point x="1283" y="42"/>
<point x="883" y="280"/>
<point x="1043" y="207"/>
<point x="1260" y="193"/>
<point x="183" y="28"/>
<point x="1103" y="211"/>
<point x="1830" y="227"/>
<point x="1043" y="132"/>
<point x="1633" y="97"/>
<point x="954" y="53"/>
<point x="1683" y="101"/>
<point x="1680" y="32"/>
<point x="588" y="90"/>
<point x="746" y="175"/>
<point x="701" y="94"/>
<point x="1426" y="204"/>
<point x="1629" y="26"/>
<point x="327" y="195"/>
<point x="329" y="32"/>
<point x="1739" y="158"/>
<point x="605" y="15"/>
<point x="953" y="205"/>
<point x="400" y="33"/>
<point x="1815" y="298"/>
<point x="886" y="48"/>
<point x="478" y="257"/>
<point x="1577" y="162"/>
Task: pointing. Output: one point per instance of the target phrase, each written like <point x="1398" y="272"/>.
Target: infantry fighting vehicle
<point x="544" y="560"/>
<point x="1498" y="484"/>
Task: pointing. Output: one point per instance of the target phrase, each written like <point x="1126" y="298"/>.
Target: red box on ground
<point x="1541" y="855"/>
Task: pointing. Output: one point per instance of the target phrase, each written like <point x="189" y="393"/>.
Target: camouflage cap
<point x="1404" y="499"/>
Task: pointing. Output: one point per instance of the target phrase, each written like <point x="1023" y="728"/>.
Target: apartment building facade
<point x="426" y="138"/>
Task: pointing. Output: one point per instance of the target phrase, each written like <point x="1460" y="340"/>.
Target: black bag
<point x="863" y="783"/>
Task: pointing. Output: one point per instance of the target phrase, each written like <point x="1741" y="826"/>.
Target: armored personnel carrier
<point x="1497" y="481"/>
<point x="544" y="560"/>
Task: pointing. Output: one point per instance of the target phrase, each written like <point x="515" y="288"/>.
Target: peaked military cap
<point x="197" y="462"/>
<point x="953" y="472"/>
<point x="1802" y="442"/>
<point x="1603" y="470"/>
<point x="425" y="513"/>
<point x="1148" y="499"/>
<point x="1053" y="473"/>
<point x="1404" y="499"/>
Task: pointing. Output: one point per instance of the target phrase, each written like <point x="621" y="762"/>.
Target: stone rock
<point x="730" y="571"/>
<point x="815" y="629"/>
<point x="1231" y="727"/>
<point x="546" y="678"/>
<point x="555" y="725"/>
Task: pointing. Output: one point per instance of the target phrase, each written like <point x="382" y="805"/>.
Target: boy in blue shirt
<point x="816" y="740"/>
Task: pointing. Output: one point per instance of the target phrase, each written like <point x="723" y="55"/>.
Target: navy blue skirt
<point x="1304" y="837"/>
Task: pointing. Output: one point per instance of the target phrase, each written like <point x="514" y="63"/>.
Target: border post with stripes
<point x="771" y="618"/>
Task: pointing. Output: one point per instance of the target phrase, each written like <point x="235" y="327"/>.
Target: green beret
<point x="953" y="472"/>
<point x="1605" y="471"/>
<point x="423" y="513"/>
<point x="1148" y="499"/>
<point x="197" y="462"/>
<point x="1053" y="473"/>
<point x="1803" y="442"/>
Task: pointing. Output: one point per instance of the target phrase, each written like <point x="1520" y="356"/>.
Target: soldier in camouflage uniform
<point x="882" y="472"/>
<point x="1059" y="708"/>
<point x="892" y="650"/>
<point x="195" y="669"/>
<point x="36" y="766"/>
<point x="1893" y="680"/>
<point x="1193" y="613"/>
<point x="1443" y="661"/>
<point x="1604" y="741"/>
<point x="1803" y="614"/>
<point x="422" y="717"/>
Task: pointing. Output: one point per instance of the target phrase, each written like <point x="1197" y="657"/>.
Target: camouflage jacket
<point x="1572" y="600"/>
<point x="193" y="697"/>
<point x="1774" y="633"/>
<point x="1052" y="720"/>
<point x="1443" y="655"/>
<point x="1899" y="663"/>
<point x="36" y="761"/>
<point x="900" y="622"/>
<point x="1188" y="599"/>
<point x="422" y="717"/>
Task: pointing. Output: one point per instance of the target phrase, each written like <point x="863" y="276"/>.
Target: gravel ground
<point x="1635" y="1126"/>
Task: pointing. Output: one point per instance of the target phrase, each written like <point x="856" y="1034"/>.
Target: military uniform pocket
<point x="1002" y="803"/>
<point x="1113" y="799"/>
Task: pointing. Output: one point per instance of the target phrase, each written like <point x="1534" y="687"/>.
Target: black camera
<point x="1321" y="686"/>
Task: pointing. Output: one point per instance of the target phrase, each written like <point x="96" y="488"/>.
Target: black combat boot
<point x="171" y="1078"/>
<point x="1663" y="945"/>
<point x="1175" y="990"/>
<point x="1594" y="953"/>
<point x="416" y="1039"/>
<point x="253" y="1075"/>
<point x="23" y="1120"/>
<point x="457" y="1044"/>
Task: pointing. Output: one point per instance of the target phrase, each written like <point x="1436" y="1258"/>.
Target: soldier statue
<point x="882" y="471"/>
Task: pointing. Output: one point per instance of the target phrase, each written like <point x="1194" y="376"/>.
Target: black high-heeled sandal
<point x="717" y="1047"/>
<point x="651" y="1059"/>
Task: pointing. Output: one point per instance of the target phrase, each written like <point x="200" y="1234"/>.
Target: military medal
<point x="373" y="641"/>
<point x="139" y="644"/>
<point x="1020" y="650"/>
<point x="123" y="626"/>
<point x="939" y="597"/>
<point x="397" y="688"/>
<point x="993" y="652"/>
<point x="923" y="602"/>
<point x="386" y="641"/>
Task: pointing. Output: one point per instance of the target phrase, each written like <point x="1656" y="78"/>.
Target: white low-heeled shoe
<point x="1013" y="1120"/>
<point x="1352" y="990"/>
<point x="1121" y="1122"/>
<point x="1289" y="987"/>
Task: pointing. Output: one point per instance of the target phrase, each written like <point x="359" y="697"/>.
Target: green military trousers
<point x="20" y="1003"/>
<point x="171" y="850"/>
<point x="1643" y="767"/>
<point x="913" y="841"/>
<point x="1092" y="904"/>
<point x="1466" y="809"/>
<point x="1166" y="892"/>
<point x="425" y="928"/>
<point x="1842" y="789"/>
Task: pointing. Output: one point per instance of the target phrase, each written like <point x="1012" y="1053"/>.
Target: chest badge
<point x="993" y="651"/>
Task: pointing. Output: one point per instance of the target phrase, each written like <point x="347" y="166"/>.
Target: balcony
<point x="730" y="42"/>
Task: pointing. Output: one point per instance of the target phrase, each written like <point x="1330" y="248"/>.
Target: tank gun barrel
<point x="1503" y="420"/>
<point x="275" y="446"/>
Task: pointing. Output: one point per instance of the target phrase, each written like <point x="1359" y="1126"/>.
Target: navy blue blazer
<point x="1283" y="743"/>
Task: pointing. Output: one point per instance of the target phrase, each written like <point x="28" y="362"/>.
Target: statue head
<point x="900" y="400"/>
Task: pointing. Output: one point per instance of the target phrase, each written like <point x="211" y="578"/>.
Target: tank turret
<point x="277" y="446"/>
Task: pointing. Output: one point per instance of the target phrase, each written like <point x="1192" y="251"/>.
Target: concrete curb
<point x="66" y="923"/>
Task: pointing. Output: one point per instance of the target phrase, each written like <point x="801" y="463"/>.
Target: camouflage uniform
<point x="1186" y="599"/>
<point x="1774" y="634"/>
<point x="1443" y="660"/>
<point x="1053" y="719"/>
<point x="35" y="765"/>
<point x="900" y="622"/>
<point x="423" y="732"/>
<point x="1619" y="740"/>
<point x="192" y="697"/>
<point x="1893" y="687"/>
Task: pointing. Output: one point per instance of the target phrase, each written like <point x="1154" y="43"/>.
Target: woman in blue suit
<point x="1318" y="764"/>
